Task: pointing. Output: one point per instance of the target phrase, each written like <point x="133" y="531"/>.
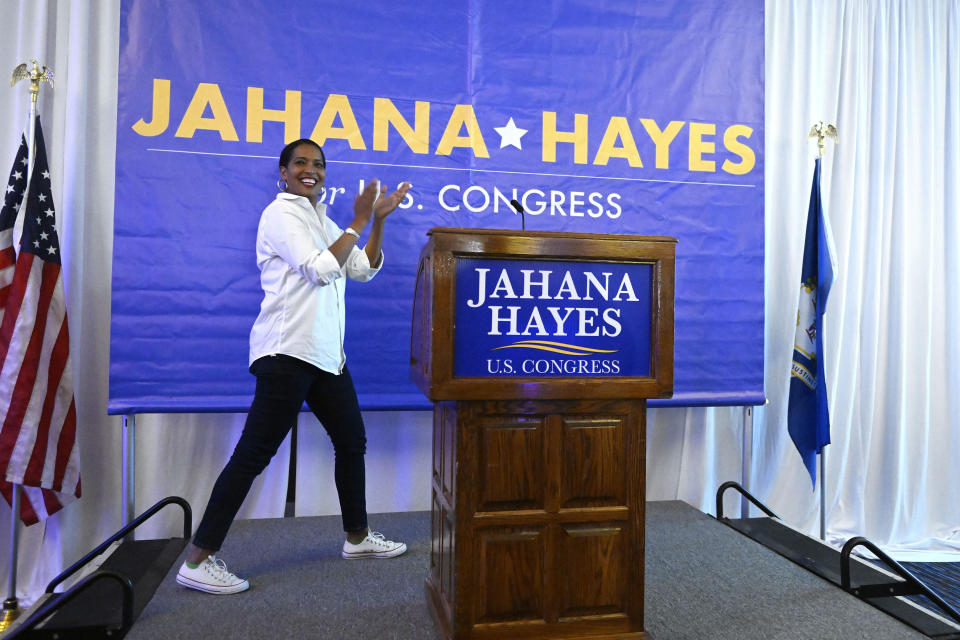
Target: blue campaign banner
<point x="618" y="116"/>
<point x="546" y="319"/>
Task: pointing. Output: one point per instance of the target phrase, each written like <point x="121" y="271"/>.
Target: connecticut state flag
<point x="808" y="417"/>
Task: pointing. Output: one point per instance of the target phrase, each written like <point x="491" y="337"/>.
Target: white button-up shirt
<point x="302" y="313"/>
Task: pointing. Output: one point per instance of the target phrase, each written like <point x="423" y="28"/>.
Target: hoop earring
<point x="284" y="187"/>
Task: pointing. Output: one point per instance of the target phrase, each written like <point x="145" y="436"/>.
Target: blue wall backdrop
<point x="607" y="117"/>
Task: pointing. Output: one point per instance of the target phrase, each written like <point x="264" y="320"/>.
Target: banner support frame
<point x="128" y="469"/>
<point x="746" y="458"/>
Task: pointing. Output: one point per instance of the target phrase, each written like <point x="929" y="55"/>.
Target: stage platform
<point x="703" y="580"/>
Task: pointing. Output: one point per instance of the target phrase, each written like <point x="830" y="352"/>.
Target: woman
<point x="296" y="354"/>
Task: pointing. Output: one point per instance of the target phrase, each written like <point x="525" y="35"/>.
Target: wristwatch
<point x="352" y="233"/>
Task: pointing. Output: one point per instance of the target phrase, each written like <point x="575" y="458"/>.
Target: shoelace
<point x="378" y="538"/>
<point x="219" y="569"/>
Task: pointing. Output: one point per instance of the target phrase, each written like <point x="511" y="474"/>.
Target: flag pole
<point x="11" y="606"/>
<point x="821" y="132"/>
<point x="36" y="75"/>
<point x="823" y="450"/>
<point x="823" y="494"/>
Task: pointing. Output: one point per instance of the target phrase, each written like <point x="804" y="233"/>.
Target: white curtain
<point x="886" y="73"/>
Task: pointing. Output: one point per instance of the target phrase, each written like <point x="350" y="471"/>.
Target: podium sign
<point x="551" y="318"/>
<point x="495" y="310"/>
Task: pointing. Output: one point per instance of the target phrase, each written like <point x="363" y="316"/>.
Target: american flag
<point x="12" y="199"/>
<point x="37" y="410"/>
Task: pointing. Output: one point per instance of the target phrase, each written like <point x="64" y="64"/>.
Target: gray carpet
<point x="704" y="580"/>
<point x="300" y="587"/>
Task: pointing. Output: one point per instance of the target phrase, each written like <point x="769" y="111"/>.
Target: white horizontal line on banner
<point x="210" y="153"/>
<point x="418" y="166"/>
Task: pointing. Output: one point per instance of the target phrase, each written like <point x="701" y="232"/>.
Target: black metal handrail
<point x="733" y="485"/>
<point x="911" y="586"/>
<point x="41" y="614"/>
<point x="136" y="522"/>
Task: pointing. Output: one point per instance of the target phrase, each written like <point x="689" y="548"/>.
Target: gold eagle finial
<point x="36" y="75"/>
<point x="821" y="131"/>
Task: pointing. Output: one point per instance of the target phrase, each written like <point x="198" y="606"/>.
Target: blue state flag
<point x="808" y="417"/>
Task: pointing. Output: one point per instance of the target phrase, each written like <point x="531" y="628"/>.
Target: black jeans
<point x="284" y="383"/>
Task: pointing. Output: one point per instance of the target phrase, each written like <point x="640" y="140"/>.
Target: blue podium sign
<point x="548" y="319"/>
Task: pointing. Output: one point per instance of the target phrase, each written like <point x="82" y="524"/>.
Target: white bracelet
<point x="353" y="233"/>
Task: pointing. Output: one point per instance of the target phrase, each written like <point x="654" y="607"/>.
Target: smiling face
<point x="305" y="172"/>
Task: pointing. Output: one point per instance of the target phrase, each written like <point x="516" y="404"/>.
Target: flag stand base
<point x="11" y="611"/>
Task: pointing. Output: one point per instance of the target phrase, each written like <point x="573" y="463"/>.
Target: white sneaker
<point x="373" y="546"/>
<point x="211" y="576"/>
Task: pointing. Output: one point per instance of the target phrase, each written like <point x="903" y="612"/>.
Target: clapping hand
<point x="374" y="201"/>
<point x="387" y="203"/>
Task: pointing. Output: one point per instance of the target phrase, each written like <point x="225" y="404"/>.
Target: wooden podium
<point x="539" y="369"/>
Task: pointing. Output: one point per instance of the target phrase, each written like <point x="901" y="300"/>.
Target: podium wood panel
<point x="538" y="519"/>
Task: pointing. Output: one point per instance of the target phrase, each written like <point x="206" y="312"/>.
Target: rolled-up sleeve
<point x="358" y="266"/>
<point x="288" y="235"/>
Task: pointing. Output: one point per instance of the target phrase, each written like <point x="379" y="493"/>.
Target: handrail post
<point x="125" y="534"/>
<point x="730" y="484"/>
